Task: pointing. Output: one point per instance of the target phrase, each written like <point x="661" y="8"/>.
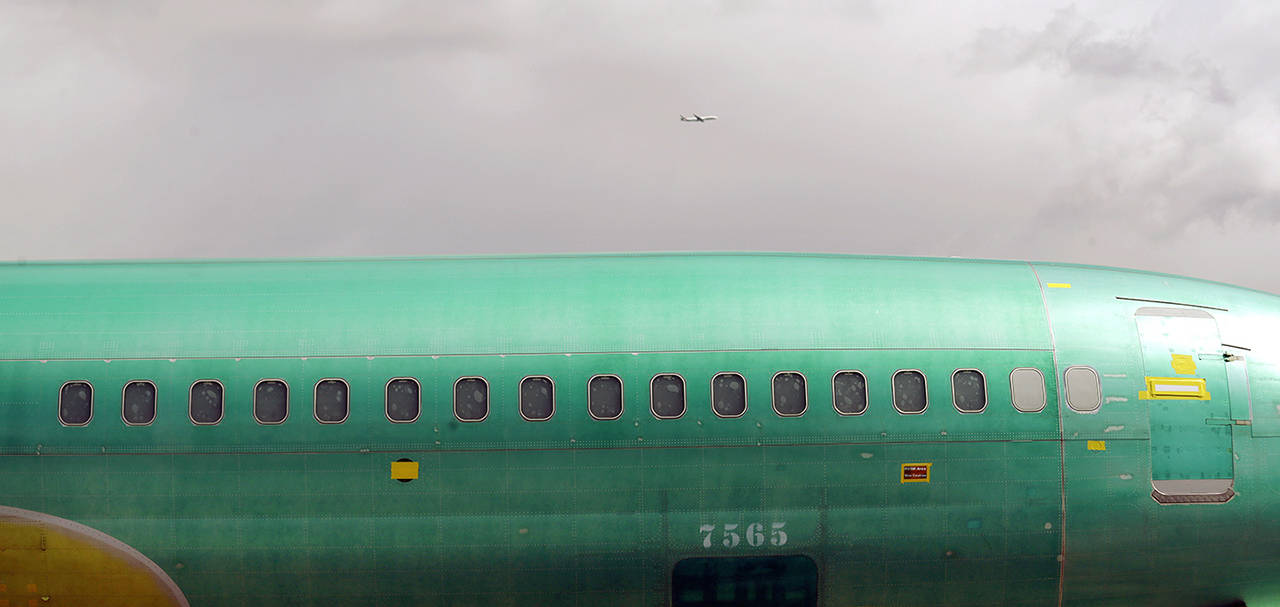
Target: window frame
<point x="287" y="408"/>
<point x="684" y="396"/>
<point x="866" y="391"/>
<point x="221" y="414"/>
<point x="59" y="402"/>
<point x="773" y="394"/>
<point x="315" y="400"/>
<point x="520" y="398"/>
<point x="986" y="393"/>
<point x="488" y="405"/>
<point x="746" y="402"/>
<point x="1044" y="391"/>
<point x="1066" y="388"/>
<point x="386" y="400"/>
<point x="893" y="387"/>
<point x="154" y="413"/>
<point x="622" y="397"/>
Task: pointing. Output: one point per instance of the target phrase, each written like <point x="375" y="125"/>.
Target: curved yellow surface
<point x="49" y="561"/>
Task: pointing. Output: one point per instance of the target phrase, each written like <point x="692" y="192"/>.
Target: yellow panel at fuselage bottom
<point x="54" y="562"/>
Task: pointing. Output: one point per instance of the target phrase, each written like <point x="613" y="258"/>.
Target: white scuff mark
<point x="1126" y="477"/>
<point x="568" y="354"/>
<point x="1048" y="526"/>
<point x="868" y="455"/>
<point x="1113" y="429"/>
<point x="173" y="360"/>
<point x="106" y="360"/>
<point x="435" y="356"/>
<point x="45" y="361"/>
<point x="944" y="432"/>
<point x="1116" y="399"/>
<point x="237" y="360"/>
<point x="1114" y="375"/>
<point x="366" y="358"/>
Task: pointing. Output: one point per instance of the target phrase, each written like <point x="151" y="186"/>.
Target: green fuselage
<point x="1044" y="507"/>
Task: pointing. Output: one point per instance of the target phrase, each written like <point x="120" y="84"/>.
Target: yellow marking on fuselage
<point x="1183" y="364"/>
<point x="1059" y="285"/>
<point x="1175" y="388"/>
<point x="404" y="471"/>
<point x="916" y="472"/>
<point x="1097" y="445"/>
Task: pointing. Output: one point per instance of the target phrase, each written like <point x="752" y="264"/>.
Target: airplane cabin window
<point x="270" y="401"/>
<point x="666" y="393"/>
<point x="537" y="398"/>
<point x="332" y="402"/>
<point x="969" y="390"/>
<point x="471" y="399"/>
<point x="205" y="405"/>
<point x="75" y="403"/>
<point x="789" y="395"/>
<point x="910" y="394"/>
<point x="138" y="405"/>
<point x="404" y="400"/>
<point x="1026" y="385"/>
<point x="849" y="390"/>
<point x="1084" y="389"/>
<point x="728" y="394"/>
<point x="604" y="397"/>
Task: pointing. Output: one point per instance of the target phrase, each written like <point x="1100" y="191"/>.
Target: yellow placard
<point x="1097" y="445"/>
<point x="916" y="472"/>
<point x="1183" y="364"/>
<point x="1175" y="388"/>
<point x="1058" y="285"/>
<point x="404" y="471"/>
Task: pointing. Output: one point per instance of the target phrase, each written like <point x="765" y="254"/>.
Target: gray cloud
<point x="1088" y="133"/>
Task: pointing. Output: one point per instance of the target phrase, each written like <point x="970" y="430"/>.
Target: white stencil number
<point x="754" y="534"/>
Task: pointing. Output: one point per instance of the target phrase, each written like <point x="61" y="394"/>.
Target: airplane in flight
<point x="676" y="429"/>
<point x="696" y="118"/>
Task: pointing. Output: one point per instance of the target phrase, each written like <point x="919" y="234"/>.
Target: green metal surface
<point x="578" y="511"/>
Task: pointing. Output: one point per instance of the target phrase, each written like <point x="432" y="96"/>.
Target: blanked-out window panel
<point x="471" y="399"/>
<point x="789" y="395"/>
<point x="75" y="403"/>
<point x="138" y="407"/>
<point x="604" y="397"/>
<point x="537" y="398"/>
<point x="910" y="395"/>
<point x="969" y="390"/>
<point x="849" y="389"/>
<point x="1026" y="386"/>
<point x="666" y="393"/>
<point x="332" y="401"/>
<point x="1084" y="389"/>
<point x="271" y="401"/>
<point x="728" y="394"/>
<point x="205" y="405"/>
<point x="404" y="401"/>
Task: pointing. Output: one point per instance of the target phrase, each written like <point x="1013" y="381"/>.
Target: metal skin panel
<point x="1018" y="509"/>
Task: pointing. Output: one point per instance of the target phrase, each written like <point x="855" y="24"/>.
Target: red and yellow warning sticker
<point x="916" y="472"/>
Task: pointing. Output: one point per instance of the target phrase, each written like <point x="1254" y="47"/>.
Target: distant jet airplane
<point x="696" y="118"/>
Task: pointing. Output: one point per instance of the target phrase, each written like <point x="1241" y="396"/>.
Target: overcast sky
<point x="1136" y="134"/>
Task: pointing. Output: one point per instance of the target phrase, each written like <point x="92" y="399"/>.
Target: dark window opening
<point x="604" y="397"/>
<point x="332" y="401"/>
<point x="471" y="399"/>
<point x="537" y="398"/>
<point x="666" y="393"/>
<point x="969" y="390"/>
<point x="206" y="402"/>
<point x="404" y="400"/>
<point x="270" y="401"/>
<point x="909" y="392"/>
<point x="761" y="581"/>
<point x="75" y="403"/>
<point x="850" y="392"/>
<point x="789" y="395"/>
<point x="728" y="394"/>
<point x="139" y="407"/>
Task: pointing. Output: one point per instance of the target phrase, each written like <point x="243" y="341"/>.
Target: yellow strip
<point x="1059" y="285"/>
<point x="404" y="471"/>
<point x="1097" y="445"/>
<point x="1175" y="388"/>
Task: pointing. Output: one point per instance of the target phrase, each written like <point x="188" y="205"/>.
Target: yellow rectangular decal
<point x="1059" y="285"/>
<point x="1181" y="388"/>
<point x="404" y="471"/>
<point x="916" y="473"/>
<point x="1097" y="445"/>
